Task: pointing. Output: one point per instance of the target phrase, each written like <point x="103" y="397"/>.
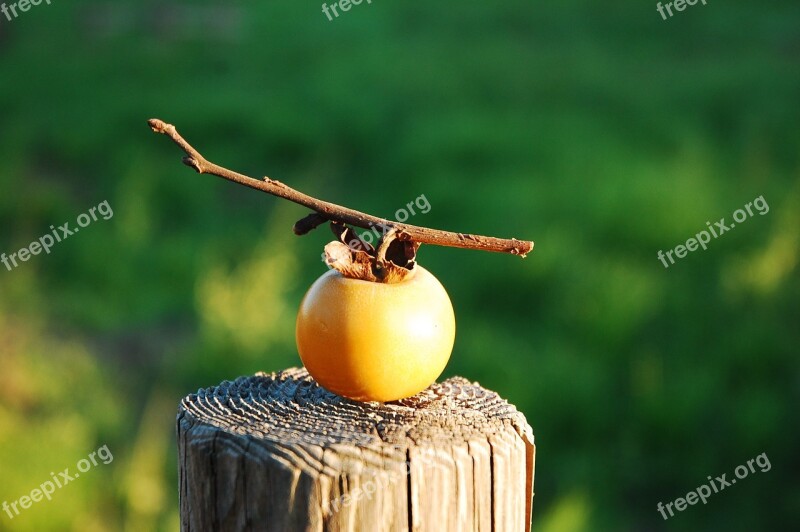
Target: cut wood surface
<point x="277" y="452"/>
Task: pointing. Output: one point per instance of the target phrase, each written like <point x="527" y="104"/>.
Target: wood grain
<point x="277" y="452"/>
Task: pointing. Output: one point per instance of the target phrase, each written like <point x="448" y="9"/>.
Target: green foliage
<point x="598" y="130"/>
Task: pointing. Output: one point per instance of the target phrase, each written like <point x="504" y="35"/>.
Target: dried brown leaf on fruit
<point x="392" y="262"/>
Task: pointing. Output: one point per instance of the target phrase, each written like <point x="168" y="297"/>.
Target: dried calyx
<point x="392" y="262"/>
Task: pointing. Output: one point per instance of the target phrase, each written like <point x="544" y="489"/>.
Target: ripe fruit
<point x="376" y="341"/>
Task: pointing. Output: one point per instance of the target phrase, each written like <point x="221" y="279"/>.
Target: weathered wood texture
<point x="278" y="452"/>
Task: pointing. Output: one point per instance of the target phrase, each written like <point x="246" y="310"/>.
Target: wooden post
<point x="277" y="452"/>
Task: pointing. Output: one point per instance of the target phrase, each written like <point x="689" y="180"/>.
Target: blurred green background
<point x="599" y="130"/>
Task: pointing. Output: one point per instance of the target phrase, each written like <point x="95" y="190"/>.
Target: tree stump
<point x="277" y="452"/>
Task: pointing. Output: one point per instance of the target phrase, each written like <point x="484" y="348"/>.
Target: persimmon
<point x="374" y="341"/>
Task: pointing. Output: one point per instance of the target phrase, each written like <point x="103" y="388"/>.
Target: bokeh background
<point x="597" y="129"/>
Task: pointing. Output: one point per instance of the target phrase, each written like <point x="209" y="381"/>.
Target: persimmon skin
<point x="372" y="341"/>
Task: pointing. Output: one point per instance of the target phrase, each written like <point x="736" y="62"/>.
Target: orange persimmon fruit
<point x="373" y="341"/>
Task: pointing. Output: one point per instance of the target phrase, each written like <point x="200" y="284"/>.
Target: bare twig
<point x="325" y="211"/>
<point x="309" y="223"/>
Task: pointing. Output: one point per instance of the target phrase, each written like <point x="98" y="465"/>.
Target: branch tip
<point x="309" y="223"/>
<point x="158" y="126"/>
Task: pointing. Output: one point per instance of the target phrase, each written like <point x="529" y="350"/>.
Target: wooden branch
<point x="278" y="452"/>
<point x="326" y="211"/>
<point x="309" y="223"/>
